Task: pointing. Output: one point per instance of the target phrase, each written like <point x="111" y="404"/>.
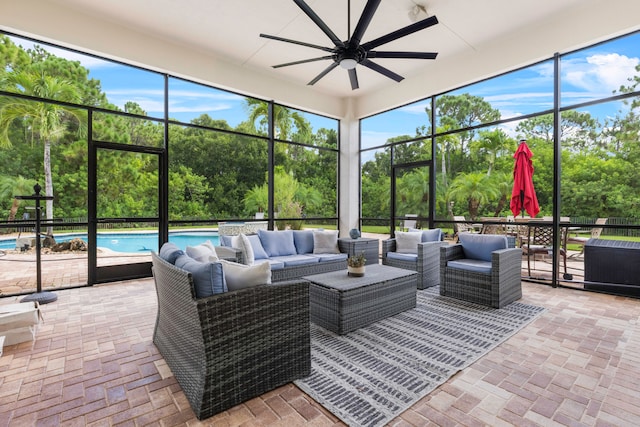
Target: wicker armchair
<point x="492" y="280"/>
<point x="230" y="347"/>
<point x="426" y="263"/>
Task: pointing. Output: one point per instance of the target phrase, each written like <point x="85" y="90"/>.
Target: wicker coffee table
<point x="342" y="304"/>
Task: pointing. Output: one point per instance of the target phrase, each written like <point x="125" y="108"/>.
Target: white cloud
<point x="150" y="100"/>
<point x="206" y="93"/>
<point x="518" y="97"/>
<point x="510" y="129"/>
<point x="417" y="108"/>
<point x="577" y="97"/>
<point x="600" y="73"/>
<point x="132" y="93"/>
<point x="157" y="106"/>
<point x="534" y="100"/>
<point x="200" y="108"/>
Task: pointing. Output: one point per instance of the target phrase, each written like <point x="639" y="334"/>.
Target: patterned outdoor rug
<point x="371" y="375"/>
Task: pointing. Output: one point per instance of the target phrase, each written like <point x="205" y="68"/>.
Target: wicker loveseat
<point x="233" y="346"/>
<point x="481" y="268"/>
<point x="291" y="253"/>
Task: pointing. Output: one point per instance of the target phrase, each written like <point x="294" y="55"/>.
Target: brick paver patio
<point x="93" y="363"/>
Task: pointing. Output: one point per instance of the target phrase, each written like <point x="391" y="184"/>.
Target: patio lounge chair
<point x="462" y="227"/>
<point x="595" y="234"/>
<point x="482" y="269"/>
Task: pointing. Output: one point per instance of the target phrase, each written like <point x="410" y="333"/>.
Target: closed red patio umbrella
<point x="523" y="195"/>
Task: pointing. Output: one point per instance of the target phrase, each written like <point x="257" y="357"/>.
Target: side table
<point x="370" y="247"/>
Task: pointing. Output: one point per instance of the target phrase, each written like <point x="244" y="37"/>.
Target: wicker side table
<point x="370" y="247"/>
<point x="342" y="304"/>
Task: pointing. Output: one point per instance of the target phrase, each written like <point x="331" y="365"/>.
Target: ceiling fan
<point x="350" y="53"/>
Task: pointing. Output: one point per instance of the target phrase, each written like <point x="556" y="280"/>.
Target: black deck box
<point x="614" y="265"/>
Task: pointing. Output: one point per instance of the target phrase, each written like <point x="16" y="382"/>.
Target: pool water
<point x="134" y="242"/>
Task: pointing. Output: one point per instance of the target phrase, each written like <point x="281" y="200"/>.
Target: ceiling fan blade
<point x="382" y="70"/>
<point x="402" y="55"/>
<point x="304" y="61"/>
<point x="365" y="19"/>
<point x="280" y="39"/>
<point x="323" y="73"/>
<point x="319" y="22"/>
<point x="353" y="78"/>
<point x="420" y="25"/>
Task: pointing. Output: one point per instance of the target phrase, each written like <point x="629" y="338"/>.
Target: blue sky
<point x="589" y="74"/>
<point x="586" y="75"/>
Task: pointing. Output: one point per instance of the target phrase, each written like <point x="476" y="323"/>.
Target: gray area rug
<point x="371" y="375"/>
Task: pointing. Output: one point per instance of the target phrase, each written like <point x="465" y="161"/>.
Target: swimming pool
<point x="134" y="242"/>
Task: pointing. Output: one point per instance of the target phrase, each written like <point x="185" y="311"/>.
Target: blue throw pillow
<point x="169" y="252"/>
<point x="208" y="277"/>
<point x="433" y="235"/>
<point x="225" y="240"/>
<point x="480" y="246"/>
<point x="256" y="245"/>
<point x="277" y="243"/>
<point x="303" y="239"/>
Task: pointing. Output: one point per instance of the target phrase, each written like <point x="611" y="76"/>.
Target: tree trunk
<point x="444" y="168"/>
<point x="501" y="204"/>
<point x="48" y="184"/>
<point x="14" y="209"/>
<point x="473" y="206"/>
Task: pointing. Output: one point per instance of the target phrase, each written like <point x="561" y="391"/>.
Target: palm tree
<point x="492" y="143"/>
<point x="503" y="182"/>
<point x="291" y="197"/>
<point x="475" y="188"/>
<point x="414" y="187"/>
<point x="446" y="144"/>
<point x="46" y="121"/>
<point x="257" y="199"/>
<point x="15" y="186"/>
<point x="285" y="120"/>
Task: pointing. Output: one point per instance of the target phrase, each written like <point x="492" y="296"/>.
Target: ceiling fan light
<point x="348" y="63"/>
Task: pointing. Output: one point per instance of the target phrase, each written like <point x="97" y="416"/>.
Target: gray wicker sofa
<point x="291" y="253"/>
<point x="230" y="347"/>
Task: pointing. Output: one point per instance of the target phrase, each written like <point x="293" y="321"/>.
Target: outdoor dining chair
<point x="540" y="241"/>
<point x="410" y="222"/>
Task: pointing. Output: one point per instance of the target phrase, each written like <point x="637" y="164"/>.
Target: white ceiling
<point x="231" y="28"/>
<point x="469" y="32"/>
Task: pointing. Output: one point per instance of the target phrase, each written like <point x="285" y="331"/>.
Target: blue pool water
<point x="134" y="242"/>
